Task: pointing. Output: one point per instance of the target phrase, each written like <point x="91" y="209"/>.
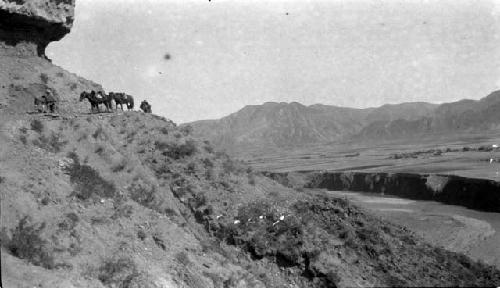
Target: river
<point x="474" y="233"/>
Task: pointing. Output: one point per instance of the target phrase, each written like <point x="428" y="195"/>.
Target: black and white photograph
<point x="249" y="143"/>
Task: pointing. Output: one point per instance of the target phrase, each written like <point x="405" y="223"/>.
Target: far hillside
<point x="279" y="125"/>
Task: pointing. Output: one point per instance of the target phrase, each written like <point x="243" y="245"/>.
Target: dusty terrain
<point x="129" y="198"/>
<point x="467" y="155"/>
<point x="132" y="200"/>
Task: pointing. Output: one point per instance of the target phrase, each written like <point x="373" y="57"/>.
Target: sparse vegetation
<point x="164" y="130"/>
<point x="120" y="166"/>
<point x="143" y="194"/>
<point x="183" y="258"/>
<point x="159" y="241"/>
<point x="233" y="166"/>
<point x="36" y="125"/>
<point x="44" y="78"/>
<point x="23" y="139"/>
<point x="27" y="243"/>
<point x="175" y="150"/>
<point x="118" y="272"/>
<point x="53" y="143"/>
<point x="69" y="222"/>
<point x="88" y="183"/>
<point x="123" y="211"/>
<point x="99" y="150"/>
<point x="186" y="130"/>
<point x="99" y="133"/>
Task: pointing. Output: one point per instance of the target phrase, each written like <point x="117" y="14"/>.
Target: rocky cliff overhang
<point x="30" y="25"/>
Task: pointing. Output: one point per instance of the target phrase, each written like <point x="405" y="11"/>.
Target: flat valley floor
<point x="456" y="228"/>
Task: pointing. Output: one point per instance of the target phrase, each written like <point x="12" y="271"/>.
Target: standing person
<point x="50" y="100"/>
<point x="145" y="106"/>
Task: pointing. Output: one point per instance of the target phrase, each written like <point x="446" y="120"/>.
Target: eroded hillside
<point x="131" y="199"/>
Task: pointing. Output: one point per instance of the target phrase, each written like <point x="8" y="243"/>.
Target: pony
<point x="95" y="101"/>
<point x="145" y="106"/>
<point x="122" y="98"/>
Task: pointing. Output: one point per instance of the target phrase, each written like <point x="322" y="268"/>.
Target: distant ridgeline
<point x="285" y="125"/>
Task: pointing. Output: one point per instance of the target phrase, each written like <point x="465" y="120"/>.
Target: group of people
<point x="48" y="102"/>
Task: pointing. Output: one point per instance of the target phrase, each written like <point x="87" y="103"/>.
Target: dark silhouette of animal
<point x="95" y="101"/>
<point x="146" y="107"/>
<point x="122" y="98"/>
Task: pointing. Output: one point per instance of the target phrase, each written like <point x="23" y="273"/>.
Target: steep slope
<point x="131" y="200"/>
<point x="293" y="124"/>
<point x="26" y="28"/>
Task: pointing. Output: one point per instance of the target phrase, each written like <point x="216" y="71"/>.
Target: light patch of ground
<point x="443" y="225"/>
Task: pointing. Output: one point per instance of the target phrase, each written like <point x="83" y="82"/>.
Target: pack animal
<point x="122" y="98"/>
<point x="95" y="101"/>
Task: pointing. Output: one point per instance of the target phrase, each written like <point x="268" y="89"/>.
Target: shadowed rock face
<point x="479" y="194"/>
<point x="28" y="26"/>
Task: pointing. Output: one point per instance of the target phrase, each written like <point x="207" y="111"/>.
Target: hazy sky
<point x="228" y="54"/>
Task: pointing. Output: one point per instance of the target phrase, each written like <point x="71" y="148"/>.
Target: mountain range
<point x="285" y="125"/>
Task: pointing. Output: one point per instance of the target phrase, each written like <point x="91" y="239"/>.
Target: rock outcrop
<point x="479" y="194"/>
<point x="28" y="26"/>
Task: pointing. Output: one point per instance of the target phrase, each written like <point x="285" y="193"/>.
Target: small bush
<point x="36" y="125"/>
<point x="251" y="178"/>
<point x="191" y="168"/>
<point x="209" y="149"/>
<point x="70" y="222"/>
<point x="27" y="243"/>
<point x="159" y="242"/>
<point x="231" y="166"/>
<point x="53" y="143"/>
<point x="118" y="272"/>
<point x="23" y="139"/>
<point x="99" y="133"/>
<point x="207" y="163"/>
<point x="141" y="234"/>
<point x="186" y="130"/>
<point x="183" y="258"/>
<point x="44" y="78"/>
<point x="164" y="130"/>
<point x="169" y="212"/>
<point x="160" y="145"/>
<point x="120" y="166"/>
<point x="89" y="183"/>
<point x="177" y="151"/>
<point x="123" y="211"/>
<point x="99" y="150"/>
<point x="143" y="194"/>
